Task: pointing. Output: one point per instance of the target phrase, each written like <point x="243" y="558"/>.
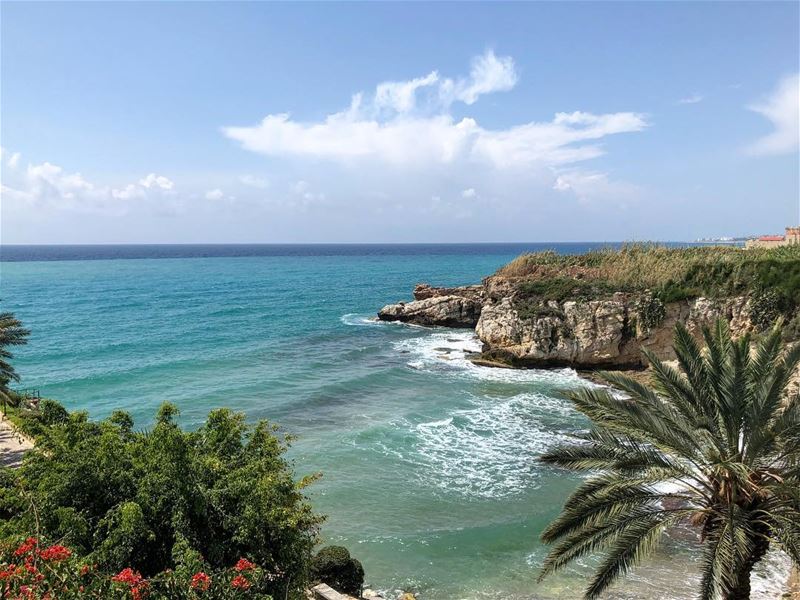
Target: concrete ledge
<point x="326" y="592"/>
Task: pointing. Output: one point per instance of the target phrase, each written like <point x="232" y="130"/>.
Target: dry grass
<point x="673" y="272"/>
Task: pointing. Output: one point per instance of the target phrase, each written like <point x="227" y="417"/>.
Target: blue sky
<point x="415" y="122"/>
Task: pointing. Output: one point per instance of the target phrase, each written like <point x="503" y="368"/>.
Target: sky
<point x="184" y="122"/>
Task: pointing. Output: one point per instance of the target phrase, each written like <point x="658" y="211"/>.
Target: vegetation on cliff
<point x="715" y="446"/>
<point x="770" y="276"/>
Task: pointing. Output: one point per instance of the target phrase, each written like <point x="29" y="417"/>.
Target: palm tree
<point x="715" y="445"/>
<point x="12" y="333"/>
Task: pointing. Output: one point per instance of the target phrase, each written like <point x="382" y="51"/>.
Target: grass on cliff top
<point x="670" y="273"/>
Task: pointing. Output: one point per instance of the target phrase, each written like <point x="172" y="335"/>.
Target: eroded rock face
<point x="423" y="291"/>
<point x="444" y="311"/>
<point x="598" y="333"/>
<point x="584" y="334"/>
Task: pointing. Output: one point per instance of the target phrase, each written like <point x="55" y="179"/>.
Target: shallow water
<point x="429" y="463"/>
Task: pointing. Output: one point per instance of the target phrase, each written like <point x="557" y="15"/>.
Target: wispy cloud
<point x="693" y="99"/>
<point x="255" y="181"/>
<point x="782" y="108"/>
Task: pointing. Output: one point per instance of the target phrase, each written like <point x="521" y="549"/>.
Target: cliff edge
<point x="602" y="309"/>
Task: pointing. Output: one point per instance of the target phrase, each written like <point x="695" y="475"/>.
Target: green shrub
<point x="52" y="412"/>
<point x="564" y="288"/>
<point x="139" y="499"/>
<point x="765" y="308"/>
<point x="651" y="311"/>
<point x="334" y="566"/>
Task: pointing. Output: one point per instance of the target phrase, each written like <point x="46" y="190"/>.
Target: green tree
<point x="12" y="333"/>
<point x="714" y="445"/>
<point x="149" y="499"/>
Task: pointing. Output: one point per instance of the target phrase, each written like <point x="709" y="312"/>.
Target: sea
<point x="429" y="463"/>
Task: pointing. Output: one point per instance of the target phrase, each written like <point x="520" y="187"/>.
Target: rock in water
<point x="444" y="311"/>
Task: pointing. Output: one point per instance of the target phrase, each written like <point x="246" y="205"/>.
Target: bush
<point x="765" y="308"/>
<point x="334" y="566"/>
<point x="52" y="412"/>
<point x="651" y="312"/>
<point x="124" y="499"/>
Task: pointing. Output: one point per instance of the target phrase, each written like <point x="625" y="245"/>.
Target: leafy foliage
<point x="564" y="288"/>
<point x="651" y="311"/>
<point x="143" y="499"/>
<point x="12" y="333"/>
<point x="334" y="565"/>
<point x="765" y="309"/>
<point x="715" y="445"/>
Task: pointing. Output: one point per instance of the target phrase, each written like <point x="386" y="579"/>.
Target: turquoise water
<point x="429" y="463"/>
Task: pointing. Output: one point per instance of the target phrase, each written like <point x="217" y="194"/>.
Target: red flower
<point x="200" y="581"/>
<point x="26" y="546"/>
<point x="244" y="565"/>
<point x="55" y="553"/>
<point x="128" y="576"/>
<point x="84" y="570"/>
<point x="240" y="582"/>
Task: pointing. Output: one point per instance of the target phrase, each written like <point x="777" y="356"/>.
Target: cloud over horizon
<point x="782" y="108"/>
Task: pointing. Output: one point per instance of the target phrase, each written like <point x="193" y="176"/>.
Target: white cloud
<point x="128" y="192"/>
<point x="488" y="74"/>
<point x="11" y="158"/>
<point x="782" y="108"/>
<point x="406" y="145"/>
<point x="156" y="181"/>
<point x="590" y="186"/>
<point x="215" y="194"/>
<point x="47" y="183"/>
<point x="255" y="181"/>
<point x="389" y="128"/>
<point x="401" y="96"/>
<point x="408" y="141"/>
<point x="693" y="99"/>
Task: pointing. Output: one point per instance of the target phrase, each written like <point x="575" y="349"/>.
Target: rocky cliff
<point x="604" y="332"/>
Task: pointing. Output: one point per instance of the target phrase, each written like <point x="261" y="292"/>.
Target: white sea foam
<point x="447" y="351"/>
<point x="359" y="320"/>
<point x="768" y="581"/>
<point x="487" y="451"/>
<point x="370" y="320"/>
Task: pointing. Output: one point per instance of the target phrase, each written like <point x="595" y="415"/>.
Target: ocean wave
<point x="487" y="451"/>
<point x="370" y="320"/>
<point x="448" y="352"/>
<point x="359" y="320"/>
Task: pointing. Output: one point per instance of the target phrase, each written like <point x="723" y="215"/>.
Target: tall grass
<point x="672" y="273"/>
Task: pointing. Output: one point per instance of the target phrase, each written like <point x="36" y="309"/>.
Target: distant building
<point x="773" y="241"/>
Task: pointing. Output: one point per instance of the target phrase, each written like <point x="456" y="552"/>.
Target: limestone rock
<point x="446" y="311"/>
<point x="609" y="332"/>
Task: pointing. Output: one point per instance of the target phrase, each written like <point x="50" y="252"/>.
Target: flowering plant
<point x="31" y="570"/>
